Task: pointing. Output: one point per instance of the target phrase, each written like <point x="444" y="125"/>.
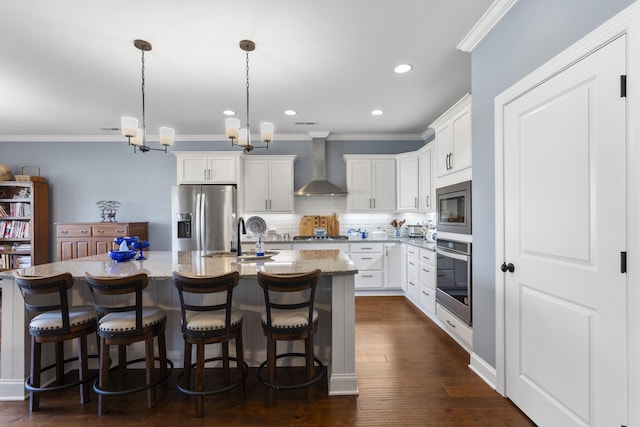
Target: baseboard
<point x="483" y="370"/>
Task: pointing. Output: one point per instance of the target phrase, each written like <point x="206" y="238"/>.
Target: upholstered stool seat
<point x="124" y="320"/>
<point x="290" y="315"/>
<point x="53" y="320"/>
<point x="209" y="317"/>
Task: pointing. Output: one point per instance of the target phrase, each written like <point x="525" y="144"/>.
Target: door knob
<point x="507" y="267"/>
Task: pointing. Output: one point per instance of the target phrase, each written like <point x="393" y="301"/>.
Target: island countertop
<point x="160" y="265"/>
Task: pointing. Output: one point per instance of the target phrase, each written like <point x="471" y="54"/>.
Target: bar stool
<point x="290" y="315"/>
<point x="122" y="322"/>
<point x="208" y="317"/>
<point x="52" y="320"/>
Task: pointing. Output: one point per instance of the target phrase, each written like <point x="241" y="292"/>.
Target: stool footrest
<point x="137" y="389"/>
<point x="314" y="380"/>
<point x="30" y="388"/>
<point x="191" y="392"/>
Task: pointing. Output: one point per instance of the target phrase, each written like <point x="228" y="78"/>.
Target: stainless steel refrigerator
<point x="204" y="217"/>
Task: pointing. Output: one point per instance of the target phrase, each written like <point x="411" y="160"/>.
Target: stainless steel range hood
<point x="320" y="186"/>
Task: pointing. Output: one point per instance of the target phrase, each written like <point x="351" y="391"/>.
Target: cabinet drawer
<point x="369" y="279"/>
<point x="455" y="325"/>
<point x="110" y="230"/>
<point x="428" y="298"/>
<point x="73" y="230"/>
<point x="428" y="257"/>
<point x="366" y="247"/>
<point x="368" y="261"/>
<point x="427" y="276"/>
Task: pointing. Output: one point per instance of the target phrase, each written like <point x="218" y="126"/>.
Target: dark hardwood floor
<point x="410" y="372"/>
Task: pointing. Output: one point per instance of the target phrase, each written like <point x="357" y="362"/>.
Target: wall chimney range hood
<point x="320" y="186"/>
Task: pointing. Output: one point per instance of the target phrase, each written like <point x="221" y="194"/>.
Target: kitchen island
<point x="335" y="302"/>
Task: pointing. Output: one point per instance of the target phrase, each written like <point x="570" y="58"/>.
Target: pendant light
<point x="242" y="137"/>
<point x="129" y="125"/>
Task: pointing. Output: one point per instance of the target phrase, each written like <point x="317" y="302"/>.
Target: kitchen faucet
<point x="244" y="231"/>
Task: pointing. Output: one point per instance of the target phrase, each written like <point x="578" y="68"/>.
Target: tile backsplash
<point x="288" y="223"/>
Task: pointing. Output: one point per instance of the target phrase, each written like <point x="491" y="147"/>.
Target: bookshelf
<point x="24" y="224"/>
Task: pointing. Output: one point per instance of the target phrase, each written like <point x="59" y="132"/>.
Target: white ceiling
<point x="68" y="68"/>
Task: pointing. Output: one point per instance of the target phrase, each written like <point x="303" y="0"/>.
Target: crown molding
<point x="491" y="17"/>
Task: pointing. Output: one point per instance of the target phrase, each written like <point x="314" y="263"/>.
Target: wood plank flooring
<point x="409" y="373"/>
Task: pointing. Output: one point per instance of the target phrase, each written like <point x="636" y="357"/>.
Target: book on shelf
<point x="15" y="229"/>
<point x="21" y="261"/>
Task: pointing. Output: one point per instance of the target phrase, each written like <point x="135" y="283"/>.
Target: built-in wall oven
<point x="453" y="209"/>
<point x="453" y="283"/>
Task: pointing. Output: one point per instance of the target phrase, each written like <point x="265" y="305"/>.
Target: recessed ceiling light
<point x="377" y="112"/>
<point x="290" y="113"/>
<point x="403" y="68"/>
<point x="229" y="113"/>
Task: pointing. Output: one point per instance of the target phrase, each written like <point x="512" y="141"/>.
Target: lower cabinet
<point x="369" y="259"/>
<point x="427" y="276"/>
<point x="393" y="265"/>
<point x="413" y="274"/>
<point x="456" y="328"/>
<point x="79" y="240"/>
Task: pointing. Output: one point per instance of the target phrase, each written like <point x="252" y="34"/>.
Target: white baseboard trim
<point x="483" y="370"/>
<point x="12" y="390"/>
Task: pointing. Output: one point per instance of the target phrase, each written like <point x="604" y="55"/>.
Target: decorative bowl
<point x="140" y="245"/>
<point x="119" y="256"/>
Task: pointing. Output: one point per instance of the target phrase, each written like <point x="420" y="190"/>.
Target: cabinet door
<point x="256" y="185"/>
<point x="407" y="187"/>
<point x="444" y="148"/>
<point x="71" y="248"/>
<point x="359" y="184"/>
<point x="461" y="124"/>
<point x="393" y="265"/>
<point x="102" y="245"/>
<point x="192" y="169"/>
<point x="384" y="184"/>
<point x="222" y="170"/>
<point x="425" y="182"/>
<point x="280" y="186"/>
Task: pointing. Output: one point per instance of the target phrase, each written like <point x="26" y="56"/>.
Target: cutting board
<point x="308" y="223"/>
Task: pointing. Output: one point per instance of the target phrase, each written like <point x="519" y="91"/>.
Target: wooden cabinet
<point x="426" y="179"/>
<point x="407" y="183"/>
<point x="208" y="167"/>
<point x="79" y="240"/>
<point x="453" y="138"/>
<point x="24" y="224"/>
<point x="268" y="184"/>
<point x="371" y="183"/>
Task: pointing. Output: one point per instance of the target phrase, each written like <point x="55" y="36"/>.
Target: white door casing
<point x="564" y="194"/>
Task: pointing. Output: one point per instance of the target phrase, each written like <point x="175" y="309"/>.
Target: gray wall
<point x="532" y="32"/>
<point x="80" y="174"/>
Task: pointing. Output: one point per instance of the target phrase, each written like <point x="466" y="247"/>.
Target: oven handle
<point x="454" y="255"/>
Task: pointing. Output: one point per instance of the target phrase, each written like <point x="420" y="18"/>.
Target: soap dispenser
<point x="260" y="247"/>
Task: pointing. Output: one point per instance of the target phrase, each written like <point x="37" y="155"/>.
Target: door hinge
<point x="623" y="86"/>
<point x="623" y="262"/>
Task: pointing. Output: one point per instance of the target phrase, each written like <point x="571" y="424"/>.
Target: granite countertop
<point x="160" y="265"/>
<point x="421" y="243"/>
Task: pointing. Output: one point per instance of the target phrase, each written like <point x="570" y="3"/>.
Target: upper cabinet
<point x="426" y="180"/>
<point x="268" y="184"/>
<point x="208" y="167"/>
<point x="371" y="183"/>
<point x="453" y="138"/>
<point x="407" y="184"/>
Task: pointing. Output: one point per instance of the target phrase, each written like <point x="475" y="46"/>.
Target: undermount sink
<point x="245" y="256"/>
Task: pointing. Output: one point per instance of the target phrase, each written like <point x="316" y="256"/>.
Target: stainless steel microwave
<point x="453" y="209"/>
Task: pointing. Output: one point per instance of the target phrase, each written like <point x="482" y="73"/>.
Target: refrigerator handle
<point x="197" y="221"/>
<point x="203" y="224"/>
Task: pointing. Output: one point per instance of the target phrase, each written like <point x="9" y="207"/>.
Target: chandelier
<point x="242" y="137"/>
<point x="129" y="125"/>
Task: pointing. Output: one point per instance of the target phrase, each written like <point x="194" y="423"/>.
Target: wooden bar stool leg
<point x="271" y="367"/>
<point x="83" y="368"/>
<point x="311" y="389"/>
<point x="103" y="379"/>
<point x="162" y="353"/>
<point x="200" y="378"/>
<point x="122" y="365"/>
<point x="36" y="353"/>
<point x="186" y="370"/>
<point x="59" y="362"/>
<point x="240" y="363"/>
<point x="225" y="362"/>
<point x="151" y="391"/>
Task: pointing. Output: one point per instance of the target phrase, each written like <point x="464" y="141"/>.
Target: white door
<point x="565" y="228"/>
<point x="359" y="183"/>
<point x="281" y="185"/>
<point x="384" y="184"/>
<point x="256" y="186"/>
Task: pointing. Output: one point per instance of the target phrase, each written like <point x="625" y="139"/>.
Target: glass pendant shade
<point x="266" y="131"/>
<point x="129" y="127"/>
<point x="232" y="127"/>
<point x="166" y="136"/>
<point x="243" y="137"/>
<point x="138" y="139"/>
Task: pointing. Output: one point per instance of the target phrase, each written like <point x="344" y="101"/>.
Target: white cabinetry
<point x="427" y="276"/>
<point x="413" y="274"/>
<point x="208" y="167"/>
<point x="407" y="183"/>
<point x="393" y="265"/>
<point x="458" y="330"/>
<point x="371" y="183"/>
<point x="425" y="179"/>
<point x="268" y="184"/>
<point x="369" y="259"/>
<point x="453" y="138"/>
